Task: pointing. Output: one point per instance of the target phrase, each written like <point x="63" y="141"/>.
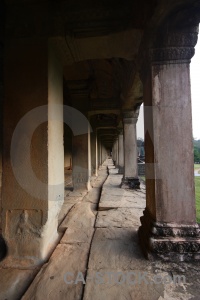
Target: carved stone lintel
<point x="130" y="183"/>
<point x="169" y="242"/>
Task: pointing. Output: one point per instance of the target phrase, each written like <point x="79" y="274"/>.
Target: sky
<point x="195" y="93"/>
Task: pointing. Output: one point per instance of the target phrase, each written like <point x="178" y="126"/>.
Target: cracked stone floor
<point x="98" y="256"/>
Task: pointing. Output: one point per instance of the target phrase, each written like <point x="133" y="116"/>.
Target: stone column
<point x="115" y="152"/>
<point x="33" y="153"/>
<point x="169" y="229"/>
<point x="93" y="152"/>
<point x="104" y="153"/>
<point x="99" y="152"/>
<point x="81" y="161"/>
<point x="121" y="151"/>
<point x="96" y="161"/>
<point x="130" y="179"/>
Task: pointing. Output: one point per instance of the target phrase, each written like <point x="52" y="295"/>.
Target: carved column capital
<point x="168" y="47"/>
<point x="130" y="117"/>
<point x="120" y="131"/>
<point x="176" y="45"/>
<point x="171" y="54"/>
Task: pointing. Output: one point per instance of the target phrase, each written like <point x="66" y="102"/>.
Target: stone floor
<point x="98" y="256"/>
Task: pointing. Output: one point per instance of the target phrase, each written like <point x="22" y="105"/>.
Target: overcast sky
<point x="195" y="89"/>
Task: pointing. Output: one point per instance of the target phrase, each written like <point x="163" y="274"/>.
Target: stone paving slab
<point x="64" y="211"/>
<point x="113" y="181"/>
<point x="117" y="249"/>
<point x="111" y="167"/>
<point x="77" y="235"/>
<point x="93" y="196"/>
<point x="123" y="291"/>
<point x="79" y="216"/>
<point x="14" y="282"/>
<point x="120" y="217"/>
<point x="72" y="199"/>
<point x="113" y="191"/>
<point x="79" y="224"/>
<point x="123" y="203"/>
<point x="77" y="193"/>
<point x="113" y="171"/>
<point x="49" y="282"/>
<point x="99" y="182"/>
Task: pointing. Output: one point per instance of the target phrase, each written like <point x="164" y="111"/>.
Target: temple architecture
<point x="73" y="76"/>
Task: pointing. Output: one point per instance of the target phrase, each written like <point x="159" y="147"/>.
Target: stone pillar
<point x="169" y="229"/>
<point x="104" y="153"/>
<point x="33" y="153"/>
<point x="99" y="152"/>
<point x="81" y="161"/>
<point x="115" y="152"/>
<point x="93" y="152"/>
<point x="96" y="150"/>
<point x="121" y="151"/>
<point x="130" y="179"/>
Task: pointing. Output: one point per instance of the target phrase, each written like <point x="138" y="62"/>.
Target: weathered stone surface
<point x="111" y="167"/>
<point x="73" y="199"/>
<point x="79" y="224"/>
<point x="113" y="181"/>
<point x="116" y="249"/>
<point x="79" y="216"/>
<point x="14" y="282"/>
<point x="100" y="180"/>
<point x="113" y="171"/>
<point x="78" y="235"/>
<point x="120" y="217"/>
<point x="64" y="211"/>
<point x="77" y="193"/>
<point x="50" y="284"/>
<point x="112" y="291"/>
<point x="122" y="202"/>
<point x="93" y="196"/>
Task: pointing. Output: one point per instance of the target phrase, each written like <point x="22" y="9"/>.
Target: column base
<point x="169" y="242"/>
<point x="130" y="183"/>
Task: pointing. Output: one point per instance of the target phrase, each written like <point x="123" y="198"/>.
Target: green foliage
<point x="196" y="150"/>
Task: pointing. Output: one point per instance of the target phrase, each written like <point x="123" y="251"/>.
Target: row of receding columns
<point x="88" y="154"/>
<point x="30" y="204"/>
<point x="124" y="150"/>
<point x="169" y="229"/>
